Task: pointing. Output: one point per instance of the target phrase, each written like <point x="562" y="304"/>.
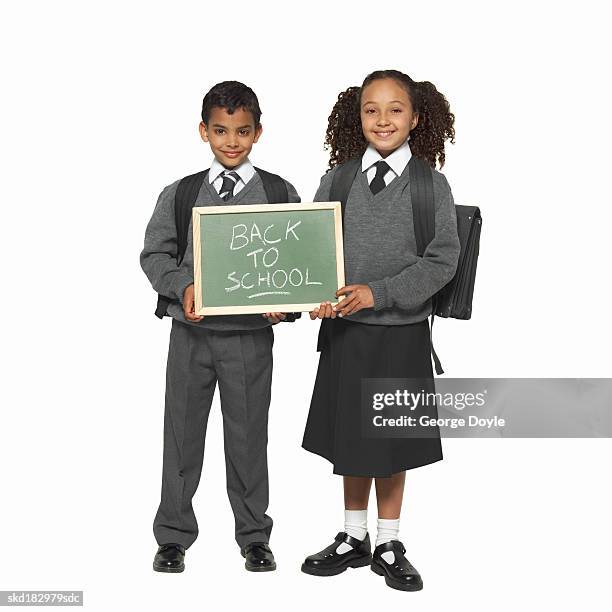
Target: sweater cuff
<point x="379" y="291"/>
<point x="183" y="281"/>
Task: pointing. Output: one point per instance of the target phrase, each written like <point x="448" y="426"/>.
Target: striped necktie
<point x="378" y="182"/>
<point x="230" y="178"/>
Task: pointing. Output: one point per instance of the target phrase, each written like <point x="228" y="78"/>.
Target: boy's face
<point x="231" y="137"/>
<point x="387" y="117"/>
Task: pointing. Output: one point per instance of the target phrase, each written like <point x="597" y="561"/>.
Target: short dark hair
<point x="231" y="95"/>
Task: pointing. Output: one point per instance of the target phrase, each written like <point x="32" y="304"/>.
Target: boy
<point x="235" y="351"/>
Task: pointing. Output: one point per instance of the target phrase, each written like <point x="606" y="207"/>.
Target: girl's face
<point x="387" y="117"/>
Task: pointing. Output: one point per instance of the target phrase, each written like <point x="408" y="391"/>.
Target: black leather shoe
<point x="400" y="574"/>
<point x="259" y="557"/>
<point x="169" y="558"/>
<point x="329" y="563"/>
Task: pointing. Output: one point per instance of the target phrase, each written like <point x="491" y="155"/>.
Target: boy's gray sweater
<point x="158" y="258"/>
<point x="380" y="248"/>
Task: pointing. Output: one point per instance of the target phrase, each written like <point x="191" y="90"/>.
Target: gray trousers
<point x="241" y="362"/>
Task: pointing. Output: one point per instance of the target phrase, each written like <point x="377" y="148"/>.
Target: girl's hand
<point x="324" y="311"/>
<point x="274" y="317"/>
<point x="360" y="296"/>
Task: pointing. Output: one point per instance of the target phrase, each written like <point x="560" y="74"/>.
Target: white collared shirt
<point x="396" y="160"/>
<point x="245" y="171"/>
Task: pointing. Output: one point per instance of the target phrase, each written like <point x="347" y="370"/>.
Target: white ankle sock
<point x="388" y="529"/>
<point x="356" y="525"/>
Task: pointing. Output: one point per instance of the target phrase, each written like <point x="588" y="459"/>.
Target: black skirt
<point x="351" y="351"/>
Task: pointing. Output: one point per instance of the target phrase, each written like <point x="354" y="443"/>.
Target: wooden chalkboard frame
<point x="198" y="211"/>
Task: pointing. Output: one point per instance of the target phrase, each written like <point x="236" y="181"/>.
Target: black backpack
<point x="184" y="200"/>
<point x="454" y="299"/>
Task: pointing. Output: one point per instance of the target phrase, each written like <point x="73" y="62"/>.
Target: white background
<point x="100" y="111"/>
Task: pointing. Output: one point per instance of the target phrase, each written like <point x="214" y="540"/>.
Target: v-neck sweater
<point x="380" y="247"/>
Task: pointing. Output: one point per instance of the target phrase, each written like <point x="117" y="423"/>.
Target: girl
<point x="380" y="329"/>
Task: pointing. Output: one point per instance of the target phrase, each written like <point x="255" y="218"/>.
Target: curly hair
<point x="344" y="136"/>
<point x="231" y="95"/>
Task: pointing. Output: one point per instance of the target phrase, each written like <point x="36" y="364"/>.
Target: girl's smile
<point x="384" y="134"/>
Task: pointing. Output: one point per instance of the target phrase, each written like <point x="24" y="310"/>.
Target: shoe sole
<point x="269" y="568"/>
<point x="398" y="586"/>
<point x="169" y="570"/>
<point x="336" y="570"/>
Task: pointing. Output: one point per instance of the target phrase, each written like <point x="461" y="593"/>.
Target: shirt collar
<point x="245" y="170"/>
<point x="397" y="160"/>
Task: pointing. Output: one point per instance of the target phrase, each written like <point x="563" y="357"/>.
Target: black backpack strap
<point x="424" y="220"/>
<point x="184" y="199"/>
<point x="423" y="206"/>
<point x="436" y="359"/>
<point x="274" y="186"/>
<point x="162" y="306"/>
<point x="341" y="182"/>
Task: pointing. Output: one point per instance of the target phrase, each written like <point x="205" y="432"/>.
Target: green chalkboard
<point x="266" y="258"/>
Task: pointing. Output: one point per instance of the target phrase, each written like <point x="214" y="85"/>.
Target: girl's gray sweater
<point x="380" y="248"/>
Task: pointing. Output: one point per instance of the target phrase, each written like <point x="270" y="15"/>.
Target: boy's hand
<point x="324" y="311"/>
<point x="189" y="304"/>
<point x="274" y="317"/>
<point x="360" y="296"/>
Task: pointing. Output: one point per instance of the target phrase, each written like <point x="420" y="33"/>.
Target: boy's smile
<point x="387" y="116"/>
<point x="231" y="137"/>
